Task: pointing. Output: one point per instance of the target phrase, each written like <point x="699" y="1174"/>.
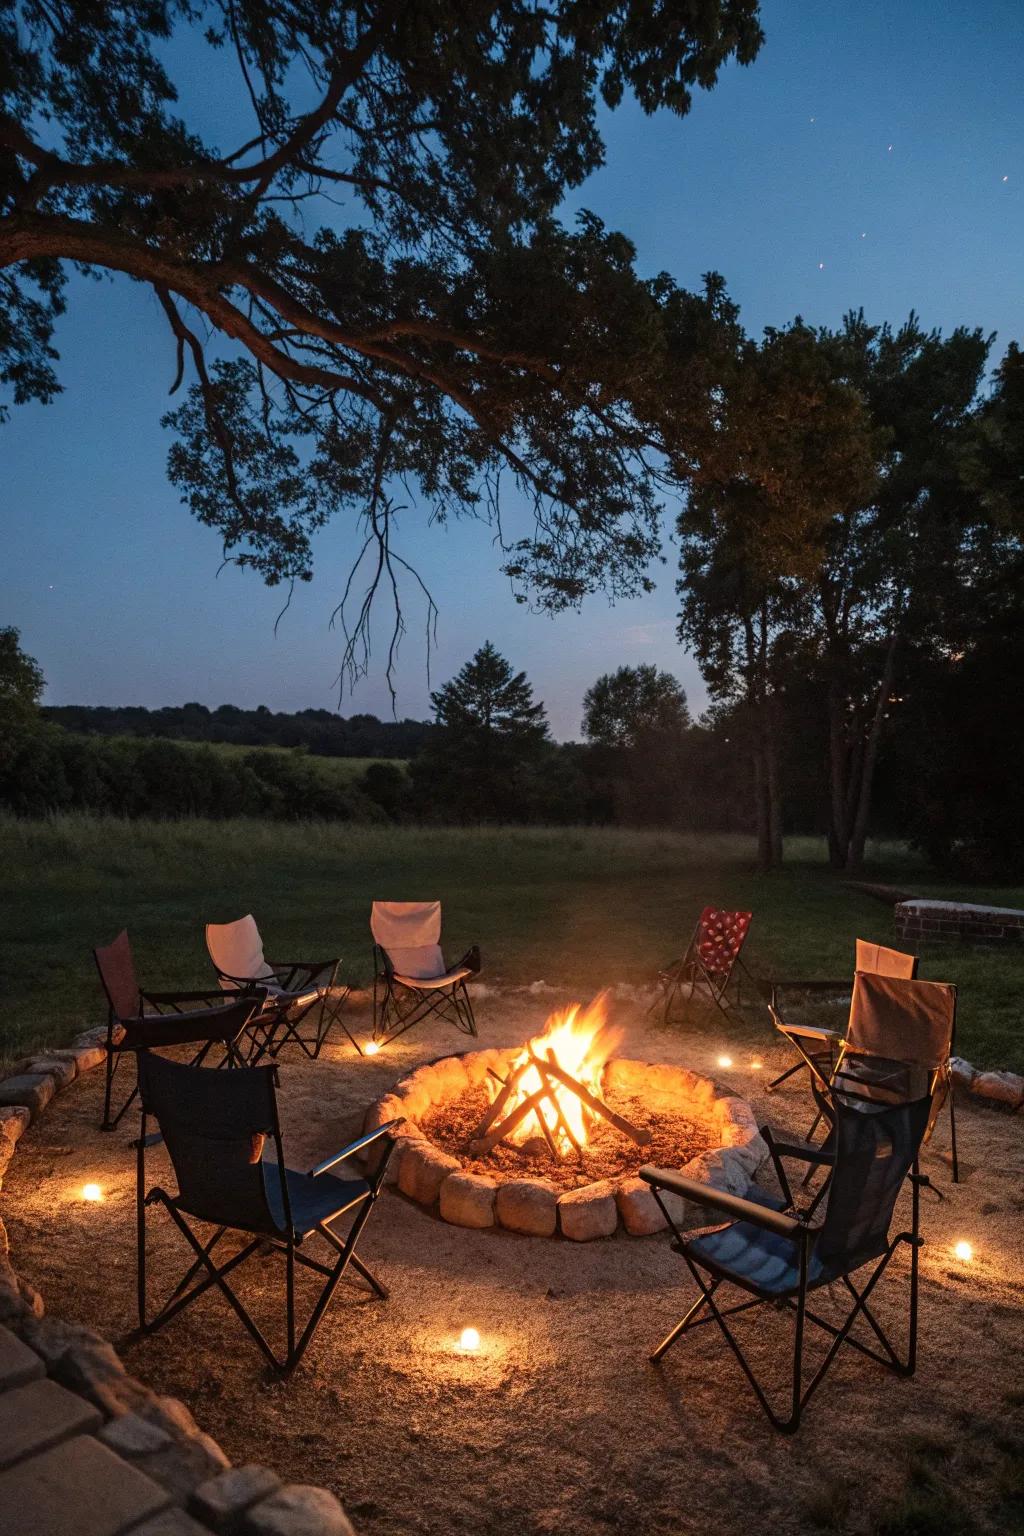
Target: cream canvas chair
<point x="818" y="1045"/>
<point x="411" y="979"/>
<point x="296" y="989"/>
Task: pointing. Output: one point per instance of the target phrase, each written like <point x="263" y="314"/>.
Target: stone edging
<point x="533" y="1205"/>
<point x="85" y="1425"/>
<point x="993" y="1087"/>
<point x="968" y="921"/>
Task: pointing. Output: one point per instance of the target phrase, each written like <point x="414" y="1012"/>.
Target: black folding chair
<point x="412" y="980"/>
<point x="775" y="1254"/>
<point x="818" y="1046"/>
<point x="215" y="1126"/>
<point x="141" y="1021"/>
<point x="295" y="989"/>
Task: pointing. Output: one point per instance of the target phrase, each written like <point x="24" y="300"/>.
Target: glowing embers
<point x="554" y="1086"/>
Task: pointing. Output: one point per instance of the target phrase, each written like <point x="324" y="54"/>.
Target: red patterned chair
<point x="712" y="961"/>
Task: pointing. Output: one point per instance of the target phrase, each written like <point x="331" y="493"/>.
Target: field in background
<point x="580" y="908"/>
<point x="333" y="769"/>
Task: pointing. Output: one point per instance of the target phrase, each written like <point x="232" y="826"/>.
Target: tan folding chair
<point x="411" y="978"/>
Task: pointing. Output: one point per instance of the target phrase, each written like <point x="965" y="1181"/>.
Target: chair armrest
<point x="795" y="985"/>
<point x="810" y="1032"/>
<point x="313" y="966"/>
<point x="355" y="1146"/>
<point x="210" y="994"/>
<point x="730" y="1205"/>
<point x="805" y="1151"/>
<point x="471" y="960"/>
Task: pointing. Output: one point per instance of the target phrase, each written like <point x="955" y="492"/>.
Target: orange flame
<point x="580" y="1041"/>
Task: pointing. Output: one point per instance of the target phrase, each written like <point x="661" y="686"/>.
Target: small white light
<point x="371" y="1048"/>
<point x="755" y="1065"/>
<point x="725" y="1061"/>
<point x="469" y="1339"/>
<point x="964" y="1251"/>
<point x="92" y="1193"/>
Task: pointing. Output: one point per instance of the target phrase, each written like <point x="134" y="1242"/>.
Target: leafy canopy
<point x="369" y="287"/>
<point x="632" y="703"/>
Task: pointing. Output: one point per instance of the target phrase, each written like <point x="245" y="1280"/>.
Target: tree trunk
<point x="859" y="834"/>
<point x="773" y="791"/>
<point x="838" y="832"/>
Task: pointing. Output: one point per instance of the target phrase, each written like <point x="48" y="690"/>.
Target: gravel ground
<point x="558" y="1424"/>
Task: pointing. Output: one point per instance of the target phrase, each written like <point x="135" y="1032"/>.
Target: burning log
<point x="596" y="1105"/>
<point x="484" y="1144"/>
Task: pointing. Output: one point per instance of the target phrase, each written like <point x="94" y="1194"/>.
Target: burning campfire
<point x="554" y="1086"/>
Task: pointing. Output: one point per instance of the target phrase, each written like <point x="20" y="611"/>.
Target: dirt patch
<point x="559" y="1426"/>
<point x="608" y="1154"/>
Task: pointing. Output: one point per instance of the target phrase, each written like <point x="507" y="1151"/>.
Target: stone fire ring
<point x="533" y="1205"/>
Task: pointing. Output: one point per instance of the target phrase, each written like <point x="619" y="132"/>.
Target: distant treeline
<point x="318" y="730"/>
<point x="49" y="769"/>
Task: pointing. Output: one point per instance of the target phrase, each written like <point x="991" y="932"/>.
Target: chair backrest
<point x="236" y="950"/>
<point x="214" y="1125"/>
<point x="882" y="961"/>
<point x="874" y="1152"/>
<point x="902" y="1020"/>
<point x="409" y="932"/>
<point x="116" y="966"/>
<point x="719" y="939"/>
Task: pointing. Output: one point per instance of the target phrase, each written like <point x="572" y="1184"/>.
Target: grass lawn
<point x="581" y="908"/>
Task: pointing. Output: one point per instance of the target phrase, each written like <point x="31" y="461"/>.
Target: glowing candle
<point x="469" y="1338"/>
<point x="725" y="1061"/>
<point x="92" y="1193"/>
<point x="371" y="1048"/>
<point x="964" y="1251"/>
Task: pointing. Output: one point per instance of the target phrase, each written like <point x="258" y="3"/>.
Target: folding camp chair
<point x="215" y="1126"/>
<point x="898" y="1044"/>
<point x="296" y="989"/>
<point x="712" y="959"/>
<point x="411" y="979"/>
<point x="770" y="1250"/>
<point x="818" y="1044"/>
<point x="141" y="1021"/>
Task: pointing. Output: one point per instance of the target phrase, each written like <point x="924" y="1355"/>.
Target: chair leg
<point x="777" y="1082"/>
<point x="681" y="1327"/>
<point x="952" y="1132"/>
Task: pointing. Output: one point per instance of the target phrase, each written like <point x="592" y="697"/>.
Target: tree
<point x="633" y="702"/>
<point x="896" y="561"/>
<point x="21" y="685"/>
<point x="787" y="448"/>
<point x="442" y="331"/>
<point x="485" y="762"/>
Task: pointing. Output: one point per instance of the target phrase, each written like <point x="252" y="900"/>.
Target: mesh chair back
<point x="214" y="1125"/>
<point x="116" y="966"/>
<point x="885" y="962"/>
<point x="901" y="1020"/>
<point x="720" y="937"/>
<point x="236" y="950"/>
<point x="409" y="932"/>
<point x="874" y="1152"/>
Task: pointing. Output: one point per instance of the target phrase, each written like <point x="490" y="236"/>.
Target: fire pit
<point x="548" y="1137"/>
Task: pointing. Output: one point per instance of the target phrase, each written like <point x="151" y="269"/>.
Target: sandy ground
<point x="559" y="1424"/>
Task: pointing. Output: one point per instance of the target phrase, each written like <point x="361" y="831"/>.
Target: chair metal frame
<point x="692" y="970"/>
<point x="204" y="1274"/>
<point x="282" y="1015"/>
<point x="222" y="1021"/>
<point x="796" y="1226"/>
<point x="398" y="1007"/>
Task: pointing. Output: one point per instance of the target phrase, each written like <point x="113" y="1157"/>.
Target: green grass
<point x="575" y="907"/>
<point x="331" y="769"/>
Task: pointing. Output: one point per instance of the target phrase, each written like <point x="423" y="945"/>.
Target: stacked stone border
<point x="533" y="1205"/>
<point x="86" y="1448"/>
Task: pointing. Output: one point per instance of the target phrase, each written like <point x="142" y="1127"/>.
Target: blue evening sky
<point x="872" y="156"/>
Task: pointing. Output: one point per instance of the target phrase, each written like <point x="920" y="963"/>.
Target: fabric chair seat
<point x="312" y="1200"/>
<point x="753" y="1258"/>
<point x="171" y="1029"/>
<point x="431" y="983"/>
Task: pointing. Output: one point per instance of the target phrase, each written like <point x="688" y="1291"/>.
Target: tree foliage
<point x="631" y="704"/>
<point x="439" y="330"/>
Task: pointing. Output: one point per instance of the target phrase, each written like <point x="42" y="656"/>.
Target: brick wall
<point x="965" y="922"/>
